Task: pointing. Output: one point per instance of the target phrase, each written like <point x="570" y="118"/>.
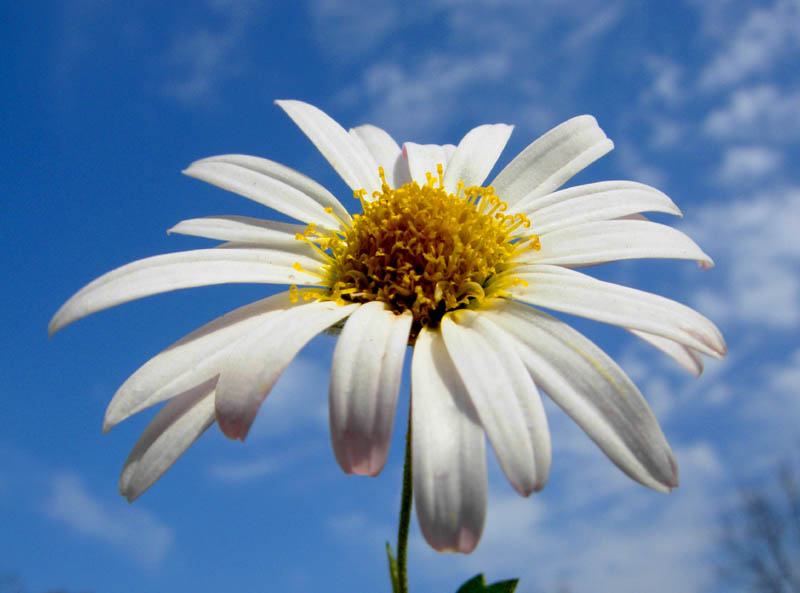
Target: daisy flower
<point x="439" y="260"/>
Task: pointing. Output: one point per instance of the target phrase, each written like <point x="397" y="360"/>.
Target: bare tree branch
<point x="760" y="540"/>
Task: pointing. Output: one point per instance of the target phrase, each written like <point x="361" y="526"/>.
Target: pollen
<point x="422" y="249"/>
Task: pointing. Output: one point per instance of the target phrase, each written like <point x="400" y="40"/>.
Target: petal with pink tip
<point x="179" y="423"/>
<point x="504" y="396"/>
<point x="252" y="367"/>
<point x="365" y="381"/>
<point x="448" y="450"/>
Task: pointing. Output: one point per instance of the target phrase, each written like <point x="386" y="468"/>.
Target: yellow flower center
<point x="421" y="249"/>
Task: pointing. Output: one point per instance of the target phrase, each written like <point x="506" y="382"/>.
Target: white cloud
<point x="348" y="28"/>
<point x="776" y="403"/>
<point x="428" y="94"/>
<point x="767" y="35"/>
<point x="785" y="378"/>
<point x="763" y="111"/>
<point x="765" y="407"/>
<point x="755" y="243"/>
<point x="667" y="85"/>
<point x="244" y="471"/>
<point x="200" y="61"/>
<point x="627" y="539"/>
<point x="593" y="27"/>
<point x="133" y="530"/>
<point x="633" y="164"/>
<point x="484" y="60"/>
<point x="349" y="523"/>
<point x="743" y="164"/>
<point x="236" y="471"/>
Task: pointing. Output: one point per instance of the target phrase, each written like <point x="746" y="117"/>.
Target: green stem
<point x="405" y="515"/>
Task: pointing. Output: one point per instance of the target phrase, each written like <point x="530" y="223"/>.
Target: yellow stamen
<point x="421" y="249"/>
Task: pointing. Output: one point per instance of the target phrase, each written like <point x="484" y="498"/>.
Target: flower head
<point x="436" y="259"/>
<point x="421" y="249"/>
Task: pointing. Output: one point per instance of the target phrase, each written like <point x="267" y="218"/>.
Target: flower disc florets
<point x="422" y="249"/>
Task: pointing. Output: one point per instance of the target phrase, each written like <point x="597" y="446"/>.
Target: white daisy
<point x="436" y="260"/>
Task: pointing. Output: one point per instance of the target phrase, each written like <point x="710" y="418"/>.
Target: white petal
<point x="476" y="155"/>
<point x="272" y="184"/>
<point x="179" y="423"/>
<point x="187" y="269"/>
<point x="593" y="390"/>
<point x="572" y="292"/>
<point x="365" y="380"/>
<point x="386" y="152"/>
<point x="252" y="367"/>
<point x="505" y="398"/>
<point x="193" y="359"/>
<point x="448" y="451"/>
<point x="605" y="200"/>
<point x="593" y="243"/>
<point x="683" y="355"/>
<point x="349" y="158"/>
<point x="552" y="159"/>
<point x="242" y="229"/>
<point x="423" y="159"/>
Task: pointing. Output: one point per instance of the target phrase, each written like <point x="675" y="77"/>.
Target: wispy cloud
<point x="766" y="37"/>
<point x="747" y="164"/>
<point x="244" y="471"/>
<point x="348" y="28"/>
<point x="131" y="529"/>
<point x="422" y="98"/>
<point x="624" y="539"/>
<point x="597" y="24"/>
<point x="634" y="164"/>
<point x="754" y="240"/>
<point x="667" y="81"/>
<point x="237" y="471"/>
<point x="484" y="60"/>
<point x="758" y="112"/>
<point x="200" y="61"/>
<point x="780" y="408"/>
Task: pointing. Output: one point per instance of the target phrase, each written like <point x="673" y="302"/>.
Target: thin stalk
<point x="405" y="515"/>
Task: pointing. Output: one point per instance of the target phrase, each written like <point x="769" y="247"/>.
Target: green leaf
<point x="393" y="572"/>
<point x="477" y="584"/>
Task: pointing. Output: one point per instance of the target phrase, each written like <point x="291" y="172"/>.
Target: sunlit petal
<point x="685" y="356"/>
<point x="365" y="381"/>
<point x="257" y="361"/>
<point x="449" y="457"/>
<point x="349" y="158"/>
<point x="593" y="390"/>
<point x="179" y="423"/>
<point x="605" y="200"/>
<point x="186" y="269"/>
<point x="476" y="155"/>
<point x="272" y="184"/>
<point x="191" y="360"/>
<point x="423" y="159"/>
<point x="241" y="229"/>
<point x="572" y="292"/>
<point x="599" y="242"/>
<point x="385" y="151"/>
<point x="548" y="162"/>
<point x="505" y="398"/>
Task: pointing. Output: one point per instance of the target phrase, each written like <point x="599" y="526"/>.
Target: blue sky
<point x="105" y="104"/>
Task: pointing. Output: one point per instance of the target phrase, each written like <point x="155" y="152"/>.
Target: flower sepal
<point x="394" y="573"/>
